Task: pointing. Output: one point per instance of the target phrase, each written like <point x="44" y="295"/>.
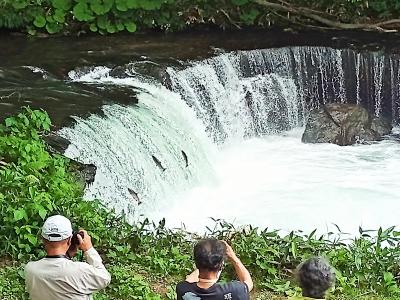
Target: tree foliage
<point x="110" y="16"/>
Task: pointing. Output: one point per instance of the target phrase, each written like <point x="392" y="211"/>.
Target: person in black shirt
<point x="202" y="284"/>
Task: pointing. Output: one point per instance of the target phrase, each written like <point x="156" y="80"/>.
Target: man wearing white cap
<point x="58" y="277"/>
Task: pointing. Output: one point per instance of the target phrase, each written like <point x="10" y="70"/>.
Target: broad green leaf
<point x="40" y="22"/>
<point x="121" y="5"/>
<point x="82" y="12"/>
<point x="42" y="212"/>
<point x="132" y="4"/>
<point x="59" y="16"/>
<point x="19" y="214"/>
<point x="53" y="27"/>
<point x="32" y="239"/>
<point x="130" y="26"/>
<point x="62" y="4"/>
<point x="101" y="7"/>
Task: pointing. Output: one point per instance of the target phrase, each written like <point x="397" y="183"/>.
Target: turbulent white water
<point x="281" y="183"/>
<point x="227" y="132"/>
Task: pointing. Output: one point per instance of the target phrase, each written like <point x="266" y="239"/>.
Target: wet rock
<point x="381" y="126"/>
<point x="343" y="124"/>
<point x="57" y="144"/>
<point x="86" y="173"/>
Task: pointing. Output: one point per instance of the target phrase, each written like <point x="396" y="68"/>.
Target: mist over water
<point x="227" y="137"/>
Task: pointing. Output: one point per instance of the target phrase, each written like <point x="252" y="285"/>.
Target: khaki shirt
<point x="61" y="278"/>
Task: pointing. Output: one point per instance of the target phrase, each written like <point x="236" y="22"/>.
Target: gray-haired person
<point x="58" y="277"/>
<point x="315" y="277"/>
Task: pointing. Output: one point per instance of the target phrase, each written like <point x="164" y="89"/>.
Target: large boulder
<point x="344" y="124"/>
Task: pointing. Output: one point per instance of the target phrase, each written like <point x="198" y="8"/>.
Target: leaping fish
<point x="134" y="196"/>
<point x="158" y="163"/>
<point x="185" y="158"/>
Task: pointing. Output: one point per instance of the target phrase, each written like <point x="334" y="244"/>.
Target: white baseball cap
<point x="56" y="228"/>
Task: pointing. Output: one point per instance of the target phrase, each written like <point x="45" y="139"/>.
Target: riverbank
<point x="146" y="260"/>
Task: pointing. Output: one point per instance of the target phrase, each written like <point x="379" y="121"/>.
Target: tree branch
<point x="310" y="14"/>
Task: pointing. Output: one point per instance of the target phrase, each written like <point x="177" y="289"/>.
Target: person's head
<point x="315" y="276"/>
<point x="57" y="233"/>
<point x="209" y="255"/>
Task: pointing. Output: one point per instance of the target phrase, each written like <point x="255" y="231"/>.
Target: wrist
<point x="86" y="249"/>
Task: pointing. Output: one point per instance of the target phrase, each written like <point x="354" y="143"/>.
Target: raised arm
<point x="241" y="271"/>
<point x="94" y="274"/>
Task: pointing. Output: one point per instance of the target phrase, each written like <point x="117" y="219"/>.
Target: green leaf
<point x="101" y="7"/>
<point x="93" y="27"/>
<point x="130" y="26"/>
<point x="39" y="21"/>
<point x="19" y="4"/>
<point x="150" y="4"/>
<point x="82" y="12"/>
<point x="59" y="16"/>
<point x="120" y="26"/>
<point x="102" y="22"/>
<point x="62" y="4"/>
<point x="121" y="5"/>
<point x="132" y="4"/>
<point x="42" y="213"/>
<point x="32" y="239"/>
<point x="19" y="214"/>
<point x="111" y="28"/>
<point x="53" y="27"/>
<point x="10" y="122"/>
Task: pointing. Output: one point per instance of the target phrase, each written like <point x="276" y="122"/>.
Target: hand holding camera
<point x="80" y="240"/>
<point x="85" y="241"/>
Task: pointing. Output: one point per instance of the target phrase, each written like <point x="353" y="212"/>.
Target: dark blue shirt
<point x="234" y="290"/>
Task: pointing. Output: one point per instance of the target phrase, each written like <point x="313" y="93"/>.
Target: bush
<point x="110" y="16"/>
<point x="12" y="285"/>
<point x="37" y="184"/>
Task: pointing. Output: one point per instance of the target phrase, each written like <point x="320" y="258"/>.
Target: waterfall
<point x="167" y="142"/>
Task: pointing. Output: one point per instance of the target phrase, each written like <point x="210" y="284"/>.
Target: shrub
<point x="110" y="16"/>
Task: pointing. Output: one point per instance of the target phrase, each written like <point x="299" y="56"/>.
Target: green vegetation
<point x="146" y="260"/>
<point x="110" y="16"/>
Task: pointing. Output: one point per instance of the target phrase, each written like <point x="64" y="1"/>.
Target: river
<point x="209" y="124"/>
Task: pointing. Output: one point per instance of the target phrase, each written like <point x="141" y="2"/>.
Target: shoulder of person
<point x="184" y="284"/>
<point x="32" y="265"/>
<point x="235" y="286"/>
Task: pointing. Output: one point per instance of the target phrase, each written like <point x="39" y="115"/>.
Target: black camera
<point x="75" y="240"/>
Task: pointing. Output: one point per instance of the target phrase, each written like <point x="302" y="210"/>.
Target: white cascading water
<point x="238" y="119"/>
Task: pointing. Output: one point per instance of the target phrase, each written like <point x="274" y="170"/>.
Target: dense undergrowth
<point x="146" y="260"/>
<point x="110" y="16"/>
